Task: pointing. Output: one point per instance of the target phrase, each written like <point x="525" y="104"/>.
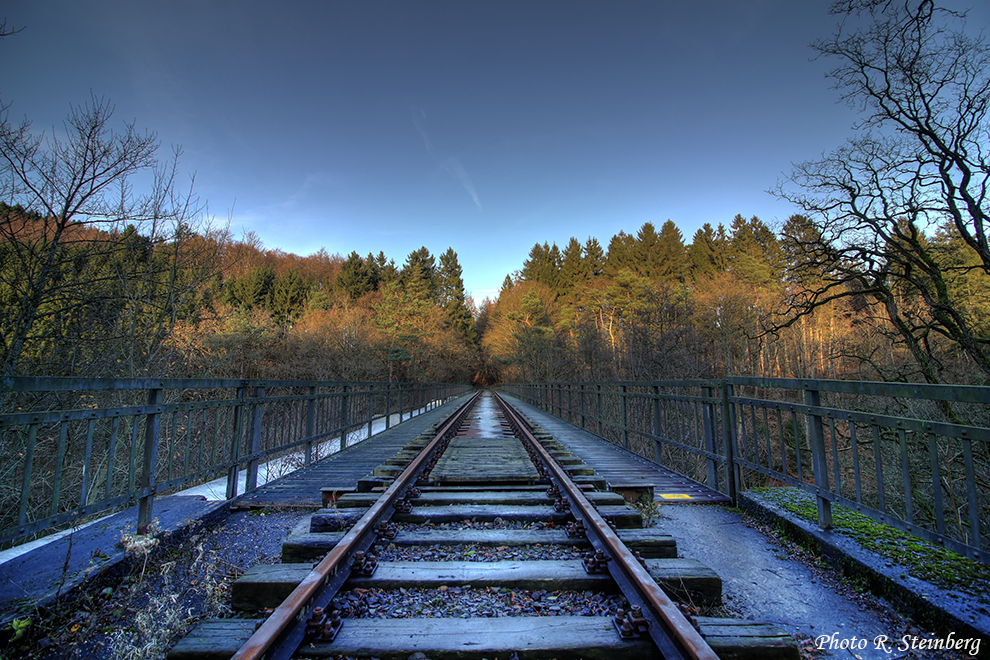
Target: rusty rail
<point x="282" y="632"/>
<point x="667" y="626"/>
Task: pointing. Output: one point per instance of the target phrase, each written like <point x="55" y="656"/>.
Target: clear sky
<point x="482" y="126"/>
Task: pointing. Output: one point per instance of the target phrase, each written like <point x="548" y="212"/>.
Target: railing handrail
<point x="960" y="393"/>
<point x="64" y="384"/>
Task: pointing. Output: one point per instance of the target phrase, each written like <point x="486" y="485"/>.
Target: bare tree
<point x="919" y="162"/>
<point x="71" y="223"/>
<point x="6" y="31"/>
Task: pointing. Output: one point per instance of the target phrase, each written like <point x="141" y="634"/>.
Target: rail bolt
<point x="637" y="619"/>
<point x="314" y="626"/>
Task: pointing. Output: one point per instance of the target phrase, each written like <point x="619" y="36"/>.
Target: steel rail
<point x="670" y="630"/>
<point x="283" y="630"/>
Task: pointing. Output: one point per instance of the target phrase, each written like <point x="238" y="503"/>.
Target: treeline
<point x="107" y="301"/>
<point x="739" y="300"/>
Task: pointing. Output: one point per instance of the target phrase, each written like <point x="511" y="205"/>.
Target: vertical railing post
<point x="708" y="423"/>
<point x="310" y="425"/>
<point x="152" y="427"/>
<point x="257" y="414"/>
<point x="625" y="420"/>
<point x="388" y="405"/>
<point x="581" y="403"/>
<point x="344" y="403"/>
<point x="729" y="442"/>
<point x="657" y="427"/>
<point x="816" y="433"/>
<point x="371" y="407"/>
<point x="599" y="417"/>
<point x="235" y="443"/>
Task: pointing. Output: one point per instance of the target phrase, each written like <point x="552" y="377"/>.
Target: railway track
<point x="568" y="570"/>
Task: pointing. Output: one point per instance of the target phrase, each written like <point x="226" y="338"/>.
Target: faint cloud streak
<point x="450" y="165"/>
<point x="453" y="166"/>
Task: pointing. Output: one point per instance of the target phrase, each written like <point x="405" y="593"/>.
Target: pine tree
<point x="594" y="258"/>
<point x="289" y="296"/>
<point x="451" y="297"/>
<point x="621" y="254"/>
<point x="543" y="266"/>
<point x="354" y="279"/>
<point x="705" y="254"/>
<point x="419" y="275"/>
<point x="671" y="262"/>
<point x="507" y="285"/>
<point x="387" y="271"/>
<point x="572" y="266"/>
<point x="649" y="258"/>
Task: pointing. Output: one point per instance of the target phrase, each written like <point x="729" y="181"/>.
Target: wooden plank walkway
<point x="485" y="451"/>
<point x="343" y="469"/>
<point x="621" y="469"/>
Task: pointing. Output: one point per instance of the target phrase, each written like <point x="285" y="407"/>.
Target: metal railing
<point x="913" y="456"/>
<point x="70" y="448"/>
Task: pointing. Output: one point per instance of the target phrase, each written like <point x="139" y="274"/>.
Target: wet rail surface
<point x="484" y="480"/>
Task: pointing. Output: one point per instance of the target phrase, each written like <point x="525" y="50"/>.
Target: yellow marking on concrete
<point x="676" y="496"/>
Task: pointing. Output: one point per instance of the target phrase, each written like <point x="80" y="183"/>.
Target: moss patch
<point x="919" y="558"/>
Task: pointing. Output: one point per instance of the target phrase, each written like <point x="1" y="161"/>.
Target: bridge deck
<point x="621" y="469"/>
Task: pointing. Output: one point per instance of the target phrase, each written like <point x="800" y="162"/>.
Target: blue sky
<point x="482" y="126"/>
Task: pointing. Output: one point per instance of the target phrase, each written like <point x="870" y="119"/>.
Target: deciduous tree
<point x="919" y="161"/>
<point x="72" y="198"/>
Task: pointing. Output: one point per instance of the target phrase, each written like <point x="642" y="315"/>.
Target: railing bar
<point x="906" y="477"/>
<point x="202" y="441"/>
<point x="170" y="444"/>
<point x="216" y="433"/>
<point x="783" y="442"/>
<point x="936" y="484"/>
<point x="132" y="463"/>
<point x="855" y="452"/>
<point x="187" y="443"/>
<point x="111" y="456"/>
<point x="754" y="440"/>
<point x="878" y="462"/>
<point x="766" y="431"/>
<point x="371" y="408"/>
<point x="835" y="457"/>
<point x="87" y="460"/>
<point x="28" y="468"/>
<point x="796" y="432"/>
<point x="974" y="509"/>
<point x="599" y="417"/>
<point x="743" y="436"/>
<point x="63" y="436"/>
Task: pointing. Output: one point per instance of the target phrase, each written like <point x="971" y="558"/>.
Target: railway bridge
<point x="402" y="488"/>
